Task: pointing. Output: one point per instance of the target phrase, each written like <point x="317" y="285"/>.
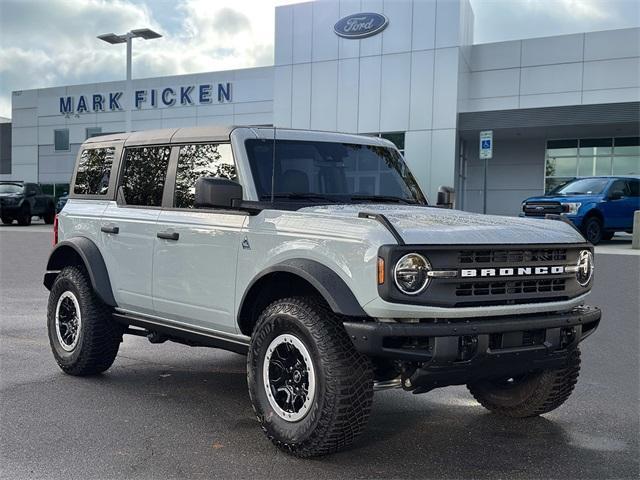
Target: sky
<point x="46" y="43"/>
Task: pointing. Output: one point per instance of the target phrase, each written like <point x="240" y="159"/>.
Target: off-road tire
<point x="99" y="337"/>
<point x="536" y="394"/>
<point x="24" y="219"/>
<point x="7" y="220"/>
<point x="593" y="230"/>
<point x="344" y="379"/>
<point x="50" y="215"/>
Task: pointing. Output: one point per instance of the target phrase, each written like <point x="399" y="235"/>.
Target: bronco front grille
<point x="511" y="288"/>
<point x="512" y="256"/>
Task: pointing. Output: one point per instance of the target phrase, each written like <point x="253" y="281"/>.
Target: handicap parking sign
<point x="486" y="144"/>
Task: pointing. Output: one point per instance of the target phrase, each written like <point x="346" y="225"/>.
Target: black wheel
<point x="530" y="394"/>
<point x="24" y="218"/>
<point x="310" y="389"/>
<point x="83" y="337"/>
<point x="592" y="230"/>
<point x="7" y="220"/>
<point x="608" y="235"/>
<point x="50" y="216"/>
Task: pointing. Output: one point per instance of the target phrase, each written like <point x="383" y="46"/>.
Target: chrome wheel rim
<point x="68" y="321"/>
<point x="289" y="378"/>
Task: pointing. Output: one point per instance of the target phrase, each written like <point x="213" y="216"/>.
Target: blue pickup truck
<point x="598" y="206"/>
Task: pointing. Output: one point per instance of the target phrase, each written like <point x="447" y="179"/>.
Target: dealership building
<point x="407" y="70"/>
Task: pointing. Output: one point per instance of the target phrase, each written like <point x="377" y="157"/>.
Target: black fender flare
<point x="328" y="283"/>
<point x="68" y="252"/>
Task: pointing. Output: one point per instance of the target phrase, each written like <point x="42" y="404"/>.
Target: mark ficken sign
<point x="203" y="94"/>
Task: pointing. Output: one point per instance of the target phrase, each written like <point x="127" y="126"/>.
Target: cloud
<point x="47" y="43"/>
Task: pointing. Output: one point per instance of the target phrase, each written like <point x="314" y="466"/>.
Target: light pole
<point x="127" y="38"/>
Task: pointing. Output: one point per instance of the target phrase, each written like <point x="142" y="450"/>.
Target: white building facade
<point x="558" y="106"/>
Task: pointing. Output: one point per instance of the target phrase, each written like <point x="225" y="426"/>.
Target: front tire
<point x="310" y="389"/>
<point x="83" y="337"/>
<point x="531" y="394"/>
<point x="593" y="230"/>
<point x="7" y="220"/>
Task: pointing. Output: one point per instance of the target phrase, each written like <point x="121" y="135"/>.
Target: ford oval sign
<point x="360" y="25"/>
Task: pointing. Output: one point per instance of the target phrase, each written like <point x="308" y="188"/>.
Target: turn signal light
<point x="380" y="271"/>
<point x="55" y="230"/>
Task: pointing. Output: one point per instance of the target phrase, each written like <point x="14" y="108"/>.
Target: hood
<point x="565" y="198"/>
<point x="438" y="226"/>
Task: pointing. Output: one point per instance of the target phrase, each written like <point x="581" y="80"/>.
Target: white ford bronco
<point x="316" y="255"/>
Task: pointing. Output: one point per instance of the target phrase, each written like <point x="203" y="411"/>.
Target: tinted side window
<point x="634" y="187"/>
<point x="619" y="186"/>
<point x="94" y="170"/>
<point x="195" y="161"/>
<point x="143" y="177"/>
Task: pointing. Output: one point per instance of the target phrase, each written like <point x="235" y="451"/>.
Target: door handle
<point x="110" y="229"/>
<point x="168" y="235"/>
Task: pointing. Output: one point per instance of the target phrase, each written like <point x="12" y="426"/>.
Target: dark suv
<point x="598" y="206"/>
<point x="22" y="200"/>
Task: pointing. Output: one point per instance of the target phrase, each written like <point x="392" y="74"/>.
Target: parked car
<point x="317" y="255"/>
<point x="23" y="200"/>
<point x="62" y="201"/>
<point x="598" y="206"/>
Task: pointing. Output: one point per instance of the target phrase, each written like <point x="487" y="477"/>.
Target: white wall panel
<point x="445" y="88"/>
<point x="421" y="105"/>
<point x="324" y="95"/>
<point x="24" y="136"/>
<point x="550" y="50"/>
<point x="24" y="98"/>
<point x="348" y="48"/>
<point x="565" y="77"/>
<point x="282" y="96"/>
<point x="371" y="45"/>
<point x="612" y="44"/>
<point x="442" y="165"/>
<point x="219" y="120"/>
<point x="623" y="73"/>
<point x="149" y="124"/>
<point x="494" y="83"/>
<point x="395" y="92"/>
<point x="397" y="36"/>
<point x="253" y="119"/>
<point x="325" y="42"/>
<point x="550" y="99"/>
<point x="424" y="25"/>
<point x="348" y="92"/>
<point x="253" y="107"/>
<point x="23" y="155"/>
<point x="447" y="23"/>
<point x="302" y="32"/>
<point x="24" y="117"/>
<point x="283" y="47"/>
<point x="301" y="96"/>
<point x="369" y="98"/>
<point x="611" y="96"/>
<point x="25" y="172"/>
<point x="491" y="103"/>
<point x="492" y="56"/>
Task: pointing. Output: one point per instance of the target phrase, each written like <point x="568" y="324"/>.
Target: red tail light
<point x="55" y="230"/>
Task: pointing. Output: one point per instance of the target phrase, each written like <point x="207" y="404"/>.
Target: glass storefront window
<point x="603" y="166"/>
<point x="561" y="167"/>
<point x="626" y="165"/>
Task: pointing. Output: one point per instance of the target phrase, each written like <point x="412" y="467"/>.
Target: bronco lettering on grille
<point x="513" y="272"/>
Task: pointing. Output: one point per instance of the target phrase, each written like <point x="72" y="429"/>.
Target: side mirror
<point x="616" y="195"/>
<point x="214" y="192"/>
<point x="446" y="197"/>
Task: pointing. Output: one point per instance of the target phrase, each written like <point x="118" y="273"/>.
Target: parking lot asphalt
<point x="171" y="411"/>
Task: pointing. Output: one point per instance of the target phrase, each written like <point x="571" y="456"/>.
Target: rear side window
<point x="634" y="187"/>
<point x="195" y="161"/>
<point x="143" y="176"/>
<point x="94" y="171"/>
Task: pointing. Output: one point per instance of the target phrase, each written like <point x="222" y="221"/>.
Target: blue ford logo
<point x="360" y="25"/>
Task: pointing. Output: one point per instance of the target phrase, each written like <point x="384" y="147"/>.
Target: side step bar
<point x="181" y="333"/>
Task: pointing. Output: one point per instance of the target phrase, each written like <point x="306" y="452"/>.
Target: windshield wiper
<point x="384" y="199"/>
<point x="295" y="196"/>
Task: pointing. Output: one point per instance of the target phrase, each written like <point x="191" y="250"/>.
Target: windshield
<point x="584" y="186"/>
<point x="336" y="172"/>
<point x="10" y="188"/>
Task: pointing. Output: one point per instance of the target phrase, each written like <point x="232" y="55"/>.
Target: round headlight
<point x="410" y="274"/>
<point x="584" y="272"/>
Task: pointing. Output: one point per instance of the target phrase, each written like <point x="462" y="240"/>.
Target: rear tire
<point x="84" y="338"/>
<point x="608" y="235"/>
<point x="330" y="397"/>
<point x="7" y="220"/>
<point x="592" y="230"/>
<point x="531" y="394"/>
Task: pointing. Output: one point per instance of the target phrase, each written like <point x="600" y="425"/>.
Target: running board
<point x="181" y="333"/>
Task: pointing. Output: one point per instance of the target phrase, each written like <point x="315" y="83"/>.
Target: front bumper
<point x="451" y="352"/>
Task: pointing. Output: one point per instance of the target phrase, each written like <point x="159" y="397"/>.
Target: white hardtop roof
<point x="223" y="133"/>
